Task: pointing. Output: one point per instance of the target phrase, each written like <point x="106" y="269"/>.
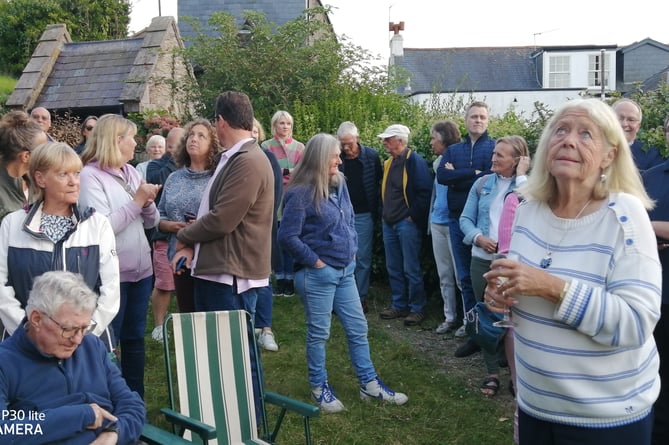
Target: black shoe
<point x="279" y="288"/>
<point x="466" y="349"/>
<point x="289" y="290"/>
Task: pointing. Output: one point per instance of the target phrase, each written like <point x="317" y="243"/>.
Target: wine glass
<point x="505" y="322"/>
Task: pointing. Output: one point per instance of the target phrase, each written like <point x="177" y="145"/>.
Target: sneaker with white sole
<point x="376" y="389"/>
<point x="267" y="342"/>
<point x="461" y="332"/>
<point x="157" y="334"/>
<point x="445" y="327"/>
<point x="326" y="399"/>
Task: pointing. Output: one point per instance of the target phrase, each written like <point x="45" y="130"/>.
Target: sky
<point x="444" y="24"/>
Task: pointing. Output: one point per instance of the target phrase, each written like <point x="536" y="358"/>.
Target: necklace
<point x="547" y="260"/>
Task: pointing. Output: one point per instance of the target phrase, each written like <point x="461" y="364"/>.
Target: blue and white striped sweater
<point x="591" y="361"/>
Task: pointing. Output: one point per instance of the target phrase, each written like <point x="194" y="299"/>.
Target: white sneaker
<point x="461" y="332"/>
<point x="326" y="399"/>
<point x="157" y="334"/>
<point x="257" y="331"/>
<point x="376" y="389"/>
<point x="445" y="327"/>
<point x="267" y="342"/>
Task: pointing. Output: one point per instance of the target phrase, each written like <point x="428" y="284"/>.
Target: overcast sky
<point x="444" y="24"/>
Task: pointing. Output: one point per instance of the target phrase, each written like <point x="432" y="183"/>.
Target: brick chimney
<point x="396" y="42"/>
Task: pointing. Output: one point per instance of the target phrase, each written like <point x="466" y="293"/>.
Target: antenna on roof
<point x="542" y="32"/>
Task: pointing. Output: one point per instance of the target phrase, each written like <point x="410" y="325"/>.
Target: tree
<point x="299" y="66"/>
<point x="24" y="21"/>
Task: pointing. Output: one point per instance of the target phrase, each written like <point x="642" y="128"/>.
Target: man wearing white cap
<point x="405" y="192"/>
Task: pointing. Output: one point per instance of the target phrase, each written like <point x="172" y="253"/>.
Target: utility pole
<point x="160" y="14"/>
<point x="603" y="73"/>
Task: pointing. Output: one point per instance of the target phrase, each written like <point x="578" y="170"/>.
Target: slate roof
<point x="646" y="41"/>
<point x="278" y="12"/>
<point x="470" y="69"/>
<point x="90" y="74"/>
<point x="655" y="81"/>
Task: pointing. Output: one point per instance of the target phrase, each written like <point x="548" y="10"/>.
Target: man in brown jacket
<point x="228" y="246"/>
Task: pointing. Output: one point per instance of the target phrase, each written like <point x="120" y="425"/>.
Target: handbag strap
<point x="124" y="184"/>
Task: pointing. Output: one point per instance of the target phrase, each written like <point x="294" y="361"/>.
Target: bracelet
<point x="564" y="291"/>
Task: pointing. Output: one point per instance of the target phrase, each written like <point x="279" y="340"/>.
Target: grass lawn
<point x="445" y="406"/>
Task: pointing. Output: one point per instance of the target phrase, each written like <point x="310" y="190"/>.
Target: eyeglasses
<point x="90" y="127"/>
<point x="69" y="332"/>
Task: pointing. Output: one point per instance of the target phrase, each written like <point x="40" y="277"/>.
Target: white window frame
<point x="559" y="74"/>
<point x="594" y="70"/>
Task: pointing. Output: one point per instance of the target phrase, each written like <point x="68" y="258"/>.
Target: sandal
<point x="491" y="385"/>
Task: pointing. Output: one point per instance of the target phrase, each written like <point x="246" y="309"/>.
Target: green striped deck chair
<point x="213" y="375"/>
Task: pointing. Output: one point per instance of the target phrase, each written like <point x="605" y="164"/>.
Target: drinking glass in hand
<point x="505" y="322"/>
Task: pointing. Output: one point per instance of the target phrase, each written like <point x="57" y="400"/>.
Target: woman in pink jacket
<point x="115" y="189"/>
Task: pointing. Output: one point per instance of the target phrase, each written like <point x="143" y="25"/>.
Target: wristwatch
<point x="111" y="428"/>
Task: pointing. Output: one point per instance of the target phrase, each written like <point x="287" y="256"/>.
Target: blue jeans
<point x="364" y="226"/>
<point x="286" y="269"/>
<point x="534" y="431"/>
<point x="215" y="296"/>
<point x="129" y="326"/>
<point x="462" y="254"/>
<point x="263" y="318"/>
<point x="323" y="291"/>
<point x="402" y="242"/>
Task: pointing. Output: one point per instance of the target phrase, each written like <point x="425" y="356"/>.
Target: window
<point x="595" y="70"/>
<point x="558" y="72"/>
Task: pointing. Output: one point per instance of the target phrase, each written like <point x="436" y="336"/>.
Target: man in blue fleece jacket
<point x="58" y="384"/>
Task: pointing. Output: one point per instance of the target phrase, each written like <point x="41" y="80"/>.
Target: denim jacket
<point x="475" y="218"/>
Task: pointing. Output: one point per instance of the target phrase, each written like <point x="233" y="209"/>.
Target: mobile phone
<point x="181" y="264"/>
<point x="189" y="216"/>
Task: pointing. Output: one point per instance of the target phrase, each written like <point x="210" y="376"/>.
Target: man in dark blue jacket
<point x="461" y="165"/>
<point x="655" y="180"/>
<point x="58" y="384"/>
<point x="406" y="190"/>
<point x="362" y="167"/>
<point x="630" y="115"/>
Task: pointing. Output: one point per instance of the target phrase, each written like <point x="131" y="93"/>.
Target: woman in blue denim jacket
<point x="318" y="231"/>
<point x="480" y="220"/>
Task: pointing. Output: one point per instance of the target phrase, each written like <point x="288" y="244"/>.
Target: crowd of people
<point x="225" y="219"/>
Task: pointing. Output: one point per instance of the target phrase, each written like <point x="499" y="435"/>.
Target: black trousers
<point x="661" y="423"/>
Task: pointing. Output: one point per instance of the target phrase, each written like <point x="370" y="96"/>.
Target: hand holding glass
<point x="505" y="322"/>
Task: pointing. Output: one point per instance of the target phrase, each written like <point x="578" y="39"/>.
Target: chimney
<point x="397" y="41"/>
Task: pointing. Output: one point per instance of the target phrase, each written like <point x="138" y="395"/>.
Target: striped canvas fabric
<point x="214" y="374"/>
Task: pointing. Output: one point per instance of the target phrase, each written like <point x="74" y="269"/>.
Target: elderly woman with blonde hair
<point x="115" y="189"/>
<point x="56" y="233"/>
<point x="585" y="293"/>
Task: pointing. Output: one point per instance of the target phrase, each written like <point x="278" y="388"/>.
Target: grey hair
<point x="622" y="175"/>
<point x="53" y="289"/>
<point x="313" y="169"/>
<point x="624" y="100"/>
<point x="347" y="128"/>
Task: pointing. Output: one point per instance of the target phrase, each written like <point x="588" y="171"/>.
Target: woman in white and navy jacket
<point x="55" y="233"/>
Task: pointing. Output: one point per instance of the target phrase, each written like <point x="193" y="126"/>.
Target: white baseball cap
<point x="395" y="130"/>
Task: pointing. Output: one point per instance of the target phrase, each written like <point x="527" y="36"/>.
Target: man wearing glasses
<point x="630" y="116"/>
<point x="43" y="118"/>
<point x="58" y="384"/>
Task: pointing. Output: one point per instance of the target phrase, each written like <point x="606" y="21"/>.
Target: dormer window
<point x="558" y="72"/>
